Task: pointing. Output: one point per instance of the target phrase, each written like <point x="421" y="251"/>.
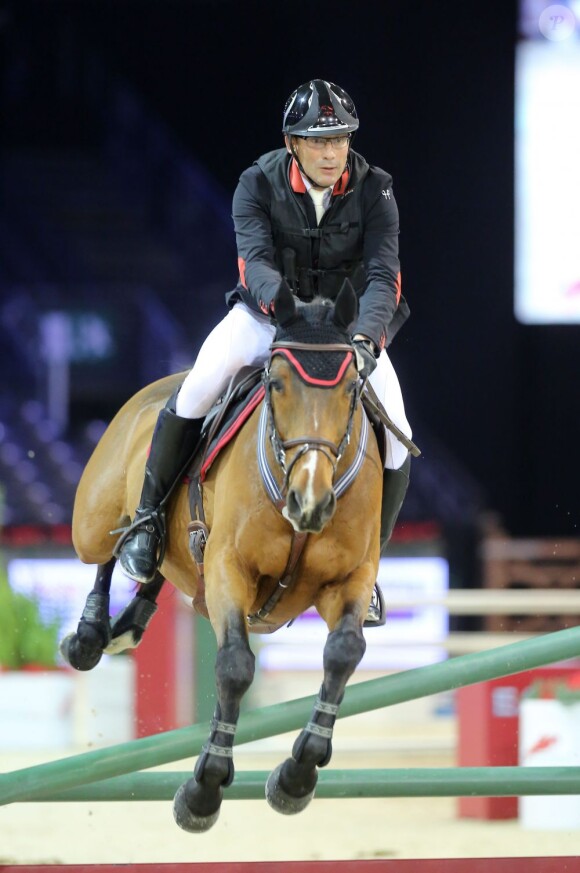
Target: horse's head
<point x="312" y="388"/>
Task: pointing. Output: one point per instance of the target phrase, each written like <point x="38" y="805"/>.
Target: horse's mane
<point x="319" y="300"/>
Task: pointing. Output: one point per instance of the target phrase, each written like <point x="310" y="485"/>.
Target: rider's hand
<point x="364" y="350"/>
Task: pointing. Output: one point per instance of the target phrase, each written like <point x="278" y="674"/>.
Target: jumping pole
<point x="341" y="784"/>
<point x="77" y="770"/>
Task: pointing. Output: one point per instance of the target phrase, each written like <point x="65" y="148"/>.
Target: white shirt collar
<point x="320" y="197"/>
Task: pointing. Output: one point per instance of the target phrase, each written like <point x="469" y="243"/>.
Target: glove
<point x="365" y="357"/>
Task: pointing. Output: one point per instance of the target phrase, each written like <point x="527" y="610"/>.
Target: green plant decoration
<point x="26" y="639"/>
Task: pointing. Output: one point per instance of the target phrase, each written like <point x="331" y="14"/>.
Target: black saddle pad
<point x="230" y="412"/>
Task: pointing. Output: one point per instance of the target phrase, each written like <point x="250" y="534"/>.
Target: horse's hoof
<point x="280" y="800"/>
<point x="188" y="820"/>
<point x="77" y="655"/>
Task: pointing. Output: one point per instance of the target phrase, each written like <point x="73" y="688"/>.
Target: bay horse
<point x="266" y="560"/>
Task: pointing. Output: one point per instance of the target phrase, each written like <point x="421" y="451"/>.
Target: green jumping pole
<point x="416" y="782"/>
<point x="269" y="721"/>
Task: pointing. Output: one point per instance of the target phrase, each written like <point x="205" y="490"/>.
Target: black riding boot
<point x="174" y="441"/>
<point x="395" y="484"/>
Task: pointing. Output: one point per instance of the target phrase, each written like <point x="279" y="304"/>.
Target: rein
<point x="267" y="432"/>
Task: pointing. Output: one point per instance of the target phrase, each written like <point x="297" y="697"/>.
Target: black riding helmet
<point x="317" y="108"/>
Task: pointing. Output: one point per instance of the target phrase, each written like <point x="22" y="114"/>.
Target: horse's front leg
<point x="96" y="633"/>
<point x="197" y="802"/>
<point x="84" y="648"/>
<point x="290" y="787"/>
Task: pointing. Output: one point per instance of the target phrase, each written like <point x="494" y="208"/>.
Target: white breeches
<point x="242" y="339"/>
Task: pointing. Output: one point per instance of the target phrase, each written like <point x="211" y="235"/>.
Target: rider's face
<point x="324" y="166"/>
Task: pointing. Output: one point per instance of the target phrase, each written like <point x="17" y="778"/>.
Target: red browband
<point x="312" y="380"/>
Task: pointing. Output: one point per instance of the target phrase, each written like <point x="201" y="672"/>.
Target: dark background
<point x="434" y="88"/>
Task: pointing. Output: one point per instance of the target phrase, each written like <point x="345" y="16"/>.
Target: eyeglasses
<point x="319" y="142"/>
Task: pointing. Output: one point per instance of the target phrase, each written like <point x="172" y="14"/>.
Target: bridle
<point x="306" y="444"/>
<point x="267" y="429"/>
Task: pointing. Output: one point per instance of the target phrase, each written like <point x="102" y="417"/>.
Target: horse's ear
<point x="284" y="304"/>
<point x="346" y="306"/>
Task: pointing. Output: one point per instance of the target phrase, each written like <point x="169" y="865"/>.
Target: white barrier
<point x="501" y="601"/>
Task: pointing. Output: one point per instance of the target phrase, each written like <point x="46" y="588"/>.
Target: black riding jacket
<point x="277" y="235"/>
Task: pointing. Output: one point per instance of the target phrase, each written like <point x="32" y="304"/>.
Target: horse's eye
<point x="276" y="385"/>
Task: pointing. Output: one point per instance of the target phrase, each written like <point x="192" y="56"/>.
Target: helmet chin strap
<point x="300" y="167"/>
<point x="303" y="171"/>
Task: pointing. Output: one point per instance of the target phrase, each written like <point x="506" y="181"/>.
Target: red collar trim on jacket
<point x="298" y="186"/>
<point x="296" y="180"/>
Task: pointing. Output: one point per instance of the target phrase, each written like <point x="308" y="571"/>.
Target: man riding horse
<point x="311" y="215"/>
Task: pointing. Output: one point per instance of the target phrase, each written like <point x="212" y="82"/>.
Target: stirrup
<point x="155" y="517"/>
<point x="141" y="547"/>
<point x="377" y="611"/>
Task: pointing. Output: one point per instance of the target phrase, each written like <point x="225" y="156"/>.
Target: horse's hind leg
<point x="197" y="802"/>
<point x="290" y="787"/>
<point x="83" y="649"/>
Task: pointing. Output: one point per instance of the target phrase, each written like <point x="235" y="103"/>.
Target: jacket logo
<point x="386" y="194"/>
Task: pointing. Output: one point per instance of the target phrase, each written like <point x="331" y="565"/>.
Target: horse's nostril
<point x="327" y="506"/>
<point x="330" y="504"/>
<point x="293" y="503"/>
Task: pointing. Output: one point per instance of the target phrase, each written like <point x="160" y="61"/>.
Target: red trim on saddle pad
<point x="232" y="431"/>
<point x="324" y="383"/>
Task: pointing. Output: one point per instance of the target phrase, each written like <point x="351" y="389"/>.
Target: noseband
<point x="307" y="444"/>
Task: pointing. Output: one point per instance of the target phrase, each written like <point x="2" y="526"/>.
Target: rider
<point x="311" y="214"/>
